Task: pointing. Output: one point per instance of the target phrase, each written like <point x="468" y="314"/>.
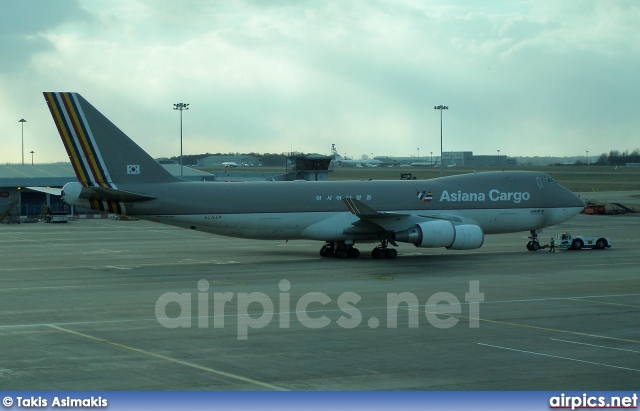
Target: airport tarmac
<point x="78" y="311"/>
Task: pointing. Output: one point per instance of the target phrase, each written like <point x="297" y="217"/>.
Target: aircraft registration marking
<point x="213" y="217"/>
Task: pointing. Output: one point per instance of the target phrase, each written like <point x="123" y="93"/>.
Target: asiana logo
<point x="425" y="195"/>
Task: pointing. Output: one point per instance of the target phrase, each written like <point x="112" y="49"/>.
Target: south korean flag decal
<point x="133" y="169"/>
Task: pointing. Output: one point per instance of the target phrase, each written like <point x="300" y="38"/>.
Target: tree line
<point x="613" y="158"/>
<point x="617" y="158"/>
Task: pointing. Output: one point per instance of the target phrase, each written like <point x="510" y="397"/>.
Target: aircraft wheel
<point x="354" y="252"/>
<point x="390" y="253"/>
<point x="535" y="246"/>
<point x="377" y="253"/>
<point x="529" y="245"/>
<point x="326" y="251"/>
<point x="341" y="253"/>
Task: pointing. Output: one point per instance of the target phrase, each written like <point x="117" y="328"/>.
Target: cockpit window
<point x="550" y="180"/>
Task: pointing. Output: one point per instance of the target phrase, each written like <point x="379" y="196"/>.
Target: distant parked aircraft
<point x="337" y="158"/>
<point x="424" y="163"/>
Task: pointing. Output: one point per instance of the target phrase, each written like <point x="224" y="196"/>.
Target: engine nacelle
<point x="440" y="233"/>
<point x="468" y="237"/>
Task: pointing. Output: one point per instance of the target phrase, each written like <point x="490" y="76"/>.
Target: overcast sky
<point x="523" y="77"/>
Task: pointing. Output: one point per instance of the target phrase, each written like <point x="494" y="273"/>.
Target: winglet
<point x="357" y="208"/>
<point x="364" y="212"/>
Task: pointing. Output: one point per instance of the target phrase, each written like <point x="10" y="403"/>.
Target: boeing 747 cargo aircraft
<point x="456" y="212"/>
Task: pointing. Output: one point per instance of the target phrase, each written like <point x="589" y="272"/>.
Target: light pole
<point x="441" y="107"/>
<point x="418" y="153"/>
<point x="181" y="107"/>
<point x="31" y="156"/>
<point x="587" y="158"/>
<point x="498" y="157"/>
<point x="430" y="157"/>
<point x="22" y="121"/>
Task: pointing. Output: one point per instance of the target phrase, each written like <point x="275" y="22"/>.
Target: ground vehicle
<point x="566" y="240"/>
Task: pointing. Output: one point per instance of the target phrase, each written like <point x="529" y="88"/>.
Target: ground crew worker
<point x="552" y="245"/>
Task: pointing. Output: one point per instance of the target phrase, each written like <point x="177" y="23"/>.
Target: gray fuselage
<point x="498" y="202"/>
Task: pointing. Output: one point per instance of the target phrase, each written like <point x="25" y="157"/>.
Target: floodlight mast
<point x="181" y="107"/>
<point x="441" y="107"/>
<point x="22" y="121"/>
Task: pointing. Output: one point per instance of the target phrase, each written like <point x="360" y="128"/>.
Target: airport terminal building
<point x="451" y="158"/>
<point x="14" y="180"/>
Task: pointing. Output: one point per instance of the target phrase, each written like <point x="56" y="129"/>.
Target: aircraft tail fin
<point x="334" y="153"/>
<point x="100" y="153"/>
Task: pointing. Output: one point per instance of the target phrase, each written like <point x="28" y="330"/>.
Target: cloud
<point x="528" y="78"/>
<point x="22" y="21"/>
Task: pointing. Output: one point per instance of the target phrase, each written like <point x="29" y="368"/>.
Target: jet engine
<point x="441" y="233"/>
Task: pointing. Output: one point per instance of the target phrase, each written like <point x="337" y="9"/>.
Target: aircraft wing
<point x="372" y="221"/>
<point x="426" y="230"/>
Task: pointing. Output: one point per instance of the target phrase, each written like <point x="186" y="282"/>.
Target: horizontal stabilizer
<point x="110" y="194"/>
<point x="47" y="190"/>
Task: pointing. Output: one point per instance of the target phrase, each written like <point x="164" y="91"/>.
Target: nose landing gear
<point x="533" y="245"/>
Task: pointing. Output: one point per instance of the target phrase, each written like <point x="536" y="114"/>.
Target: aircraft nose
<point x="574" y="199"/>
<point x="572" y="203"/>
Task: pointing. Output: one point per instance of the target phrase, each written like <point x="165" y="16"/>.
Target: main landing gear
<point x="382" y="251"/>
<point x="533" y="245"/>
<point x="341" y="249"/>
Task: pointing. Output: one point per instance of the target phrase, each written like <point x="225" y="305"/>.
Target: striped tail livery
<point x="102" y="156"/>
